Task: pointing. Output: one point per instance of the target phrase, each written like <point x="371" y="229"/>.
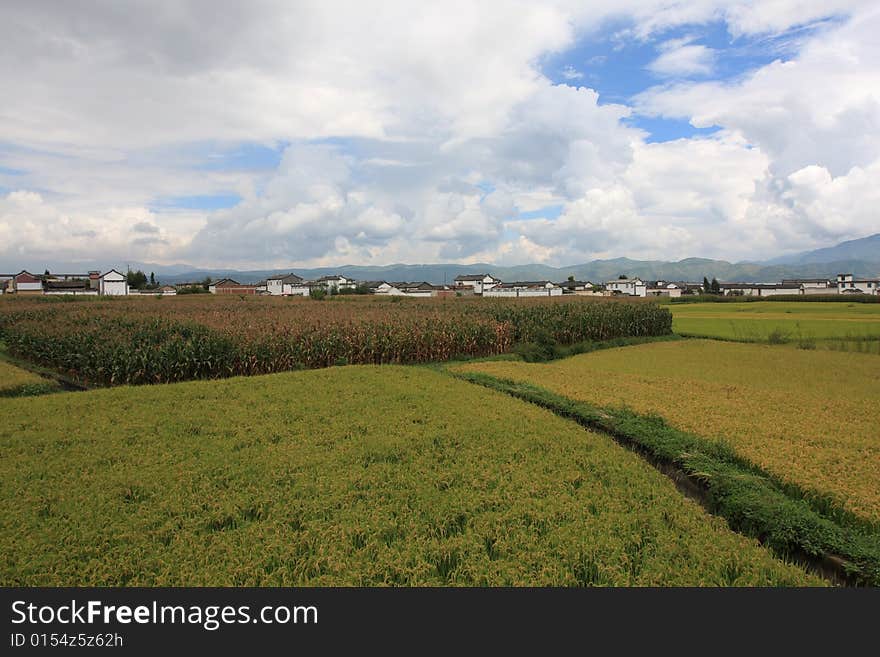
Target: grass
<point x="345" y="476"/>
<point x="778" y="322"/>
<point x="752" y="501"/>
<point x="809" y="417"/>
<point x="17" y="382"/>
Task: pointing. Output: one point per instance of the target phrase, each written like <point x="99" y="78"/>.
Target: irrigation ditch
<point x="796" y="525"/>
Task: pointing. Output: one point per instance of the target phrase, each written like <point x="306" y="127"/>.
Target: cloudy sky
<point x="272" y="134"/>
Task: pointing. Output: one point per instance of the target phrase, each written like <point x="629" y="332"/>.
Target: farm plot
<point x="343" y="476"/>
<point x="809" y="417"/>
<point x="796" y="322"/>
<point x="15" y="382"/>
<point x="162" y="340"/>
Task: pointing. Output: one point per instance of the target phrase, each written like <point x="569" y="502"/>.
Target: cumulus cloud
<point x="427" y="141"/>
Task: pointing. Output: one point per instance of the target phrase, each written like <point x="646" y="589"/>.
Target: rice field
<point x="359" y="475"/>
<point x="811" y="418"/>
<point x="778" y="321"/>
<point x="15" y="381"/>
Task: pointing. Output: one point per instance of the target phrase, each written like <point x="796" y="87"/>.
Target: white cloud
<point x="418" y="133"/>
<point x="680" y="58"/>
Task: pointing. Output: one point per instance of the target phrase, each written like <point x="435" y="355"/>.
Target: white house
<point x="634" y="287"/>
<point x="524" y="289"/>
<point x="759" y="289"/>
<point x="576" y="286"/>
<point x="336" y="282"/>
<point x="383" y="287"/>
<point x="419" y="289"/>
<point x="664" y="289"/>
<point x="812" y="285"/>
<point x="848" y="284"/>
<point x="477" y="283"/>
<point x="25" y="282"/>
<point x="112" y="283"/>
<point x="287" y="285"/>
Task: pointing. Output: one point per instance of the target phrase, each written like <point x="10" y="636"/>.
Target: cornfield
<point x="137" y="341"/>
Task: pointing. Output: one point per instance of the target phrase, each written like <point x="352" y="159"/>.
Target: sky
<point x="273" y="134"/>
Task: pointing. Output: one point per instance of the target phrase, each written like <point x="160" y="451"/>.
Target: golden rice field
<point x="359" y="475"/>
<point x="15" y="380"/>
<point x="15" y="377"/>
<point x="810" y="417"/>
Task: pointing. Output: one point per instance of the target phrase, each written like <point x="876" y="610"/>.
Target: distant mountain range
<point x="860" y="257"/>
<point x="866" y="249"/>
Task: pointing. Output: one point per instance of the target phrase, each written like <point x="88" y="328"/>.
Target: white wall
<point x="298" y="290"/>
<point x="507" y="292"/>
<point x="861" y="286"/>
<point x="771" y="292"/>
<point x="114" y="285"/>
<point x="633" y="289"/>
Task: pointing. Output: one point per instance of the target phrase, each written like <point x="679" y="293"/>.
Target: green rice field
<point x="779" y="321"/>
<point x="359" y="475"/>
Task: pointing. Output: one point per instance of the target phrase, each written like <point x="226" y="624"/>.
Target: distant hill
<point x="865" y="249"/>
<point x="690" y="269"/>
<point x="860" y="257"/>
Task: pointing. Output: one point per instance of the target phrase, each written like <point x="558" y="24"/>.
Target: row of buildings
<point x="844" y="284"/>
<point x="110" y="283"/>
<point x="472" y="284"/>
<point x="114" y="283"/>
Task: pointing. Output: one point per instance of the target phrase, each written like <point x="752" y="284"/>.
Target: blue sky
<point x="618" y="66"/>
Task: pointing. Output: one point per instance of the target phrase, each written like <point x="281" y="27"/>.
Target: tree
<point x="136" y="280"/>
<point x="206" y="283"/>
<point x="622" y="277"/>
<point x="571" y="279"/>
<point x="707" y="288"/>
<point x="716" y="288"/>
<point x="152" y="279"/>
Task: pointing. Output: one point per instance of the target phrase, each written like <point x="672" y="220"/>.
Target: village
<point x="115" y="283"/>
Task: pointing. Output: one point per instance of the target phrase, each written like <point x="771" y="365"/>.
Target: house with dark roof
<point x="230" y="286"/>
<point x="849" y="284"/>
<point x="73" y="286"/>
<point x="382" y="287"/>
<point x="758" y="289"/>
<point x="475" y="283"/>
<point x="25" y="282"/>
<point x="335" y="282"/>
<point x="633" y="287"/>
<point x="575" y="286"/>
<point x="286" y="285"/>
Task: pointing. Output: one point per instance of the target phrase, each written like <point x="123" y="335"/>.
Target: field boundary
<point x="753" y="502"/>
<point x="54" y="381"/>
